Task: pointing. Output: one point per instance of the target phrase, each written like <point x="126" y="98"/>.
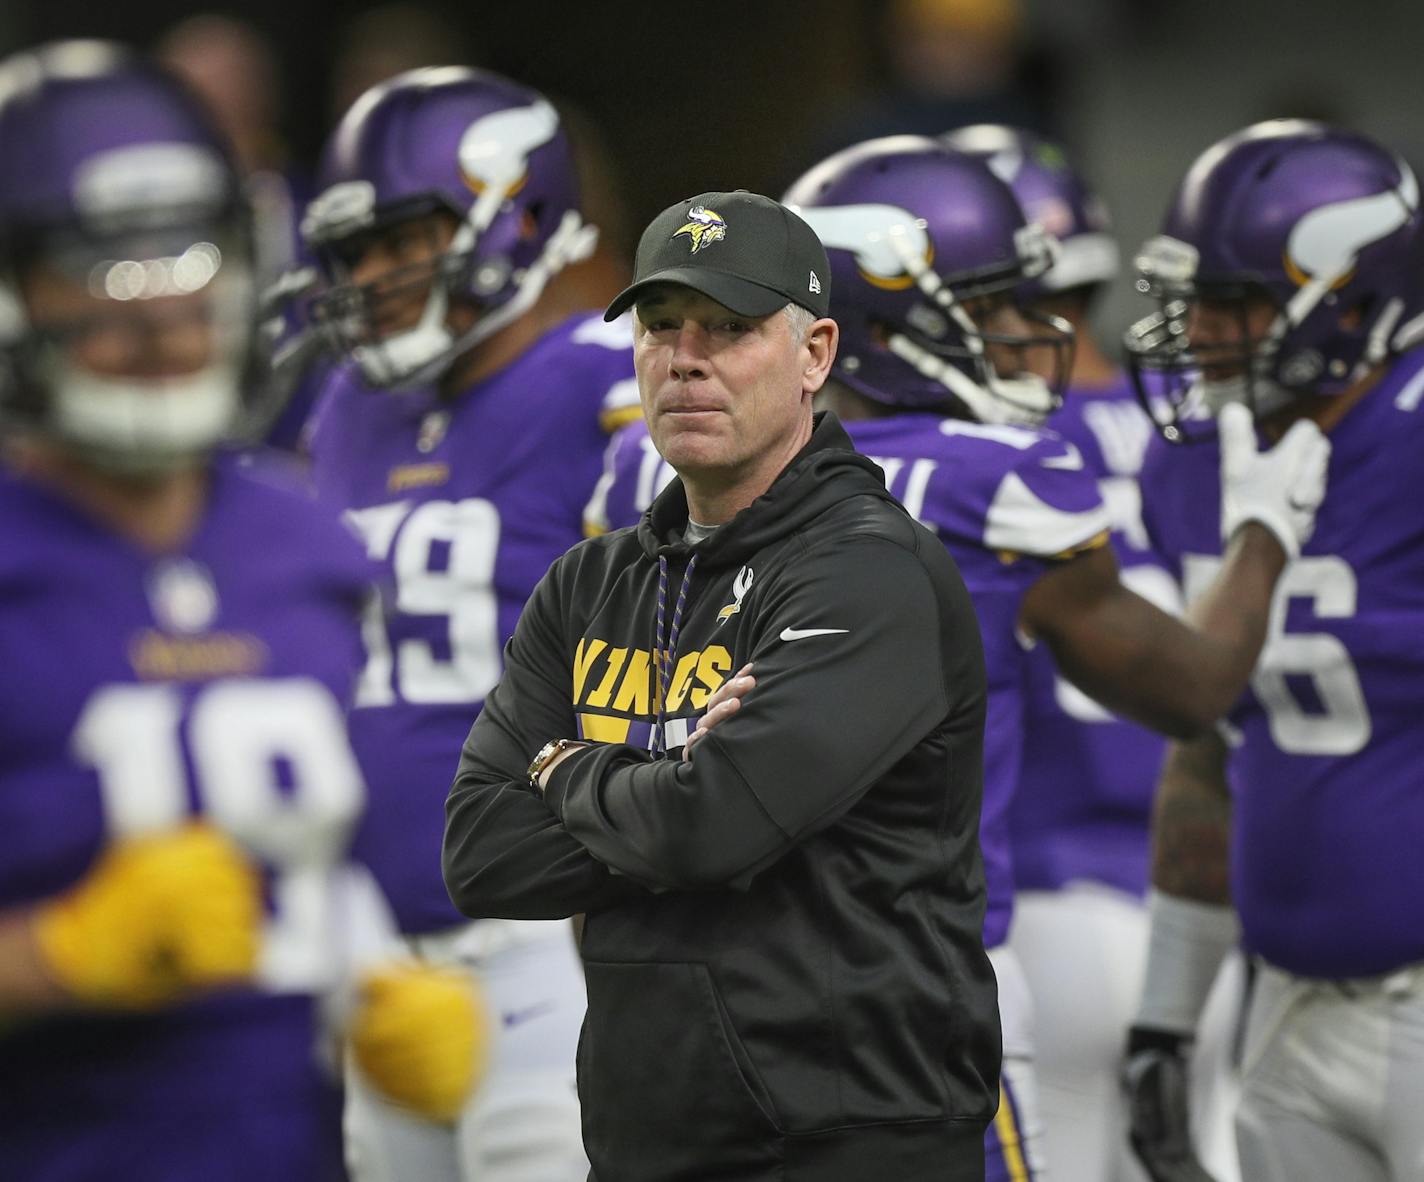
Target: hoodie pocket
<point x="662" y="1074"/>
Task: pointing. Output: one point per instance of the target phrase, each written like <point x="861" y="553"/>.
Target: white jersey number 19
<point x="460" y="587"/>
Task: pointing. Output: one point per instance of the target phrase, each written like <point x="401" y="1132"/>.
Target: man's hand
<point x="421" y="1035"/>
<point x="1154" y="1078"/>
<point x="721" y="706"/>
<point x="1281" y="488"/>
<point x="155" y="918"/>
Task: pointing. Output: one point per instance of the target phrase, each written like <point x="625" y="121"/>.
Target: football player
<point x="181" y="635"/>
<point x="461" y="439"/>
<point x="1286" y="275"/>
<point x="1079" y="820"/>
<point x="937" y="377"/>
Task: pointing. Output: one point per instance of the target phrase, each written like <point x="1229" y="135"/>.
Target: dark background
<point x="674" y="99"/>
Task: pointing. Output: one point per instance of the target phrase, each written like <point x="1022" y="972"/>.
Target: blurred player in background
<point x="233" y="69"/>
<point x="181" y="635"/>
<point x="1080" y="818"/>
<point x="935" y="377"/>
<point x="462" y="440"/>
<point x="1287" y="274"/>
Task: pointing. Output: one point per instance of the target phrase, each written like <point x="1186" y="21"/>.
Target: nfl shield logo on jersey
<point x="182" y="596"/>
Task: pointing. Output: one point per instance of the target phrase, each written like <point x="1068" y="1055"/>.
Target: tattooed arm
<point x="1192" y="930"/>
<point x="1191" y="823"/>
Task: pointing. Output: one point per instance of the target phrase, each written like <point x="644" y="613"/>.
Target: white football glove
<point x="1280" y="488"/>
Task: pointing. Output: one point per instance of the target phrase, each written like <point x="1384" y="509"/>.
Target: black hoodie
<point x="786" y="978"/>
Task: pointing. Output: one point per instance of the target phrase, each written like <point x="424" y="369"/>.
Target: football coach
<point x="756" y="727"/>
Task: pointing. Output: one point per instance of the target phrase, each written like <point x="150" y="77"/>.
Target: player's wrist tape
<point x="1188" y="942"/>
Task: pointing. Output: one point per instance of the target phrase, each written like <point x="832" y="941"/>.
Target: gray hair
<point x="800" y="320"/>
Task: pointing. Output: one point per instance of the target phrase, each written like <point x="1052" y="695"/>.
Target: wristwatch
<point x="547" y="753"/>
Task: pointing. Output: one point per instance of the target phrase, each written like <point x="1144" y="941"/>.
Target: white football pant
<point x="1333" y="1080"/>
<point x="1084" y="950"/>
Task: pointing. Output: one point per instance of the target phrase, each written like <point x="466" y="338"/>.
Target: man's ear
<point x="821" y="340"/>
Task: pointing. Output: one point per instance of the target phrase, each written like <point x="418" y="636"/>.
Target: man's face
<point x="1228" y="330"/>
<point x="720" y="391"/>
<point x="396" y="264"/>
<point x="146" y="340"/>
<point x="1000" y="317"/>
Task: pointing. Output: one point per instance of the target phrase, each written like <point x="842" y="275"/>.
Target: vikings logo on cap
<point x="704" y="226"/>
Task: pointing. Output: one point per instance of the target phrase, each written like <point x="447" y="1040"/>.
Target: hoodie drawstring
<point x="665" y="656"/>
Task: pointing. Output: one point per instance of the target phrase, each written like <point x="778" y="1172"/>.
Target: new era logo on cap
<point x="762" y="257"/>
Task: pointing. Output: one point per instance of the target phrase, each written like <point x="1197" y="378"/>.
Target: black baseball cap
<point x="749" y="253"/>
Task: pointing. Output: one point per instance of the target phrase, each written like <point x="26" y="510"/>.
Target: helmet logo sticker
<point x="704" y="227"/>
<point x="495" y="150"/>
<point x="1325" y="243"/>
<point x="869" y="232"/>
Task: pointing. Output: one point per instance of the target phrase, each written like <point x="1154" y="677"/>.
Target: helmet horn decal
<point x="1006" y="164"/>
<point x="494" y="151"/>
<point x="494" y="161"/>
<point x="1324" y="245"/>
<point x="879" y="236"/>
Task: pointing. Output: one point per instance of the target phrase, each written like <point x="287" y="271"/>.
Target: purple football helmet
<point x="1306" y="230"/>
<point x="913" y="230"/>
<point x="492" y="154"/>
<point x="128" y="205"/>
<point x="1052" y="194"/>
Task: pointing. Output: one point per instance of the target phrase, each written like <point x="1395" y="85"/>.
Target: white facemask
<point x="146" y="426"/>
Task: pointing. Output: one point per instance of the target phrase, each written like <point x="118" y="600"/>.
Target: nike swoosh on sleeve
<point x="803" y="633"/>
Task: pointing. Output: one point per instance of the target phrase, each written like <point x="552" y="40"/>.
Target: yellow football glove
<point x="421" y="1035"/>
<point x="155" y="917"/>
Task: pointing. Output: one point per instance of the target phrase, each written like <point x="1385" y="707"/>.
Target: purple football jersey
<point x="1006" y="501"/>
<point x="1084" y="802"/>
<point x="1329" y="754"/>
<point x="137" y="691"/>
<point x="464" y="503"/>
